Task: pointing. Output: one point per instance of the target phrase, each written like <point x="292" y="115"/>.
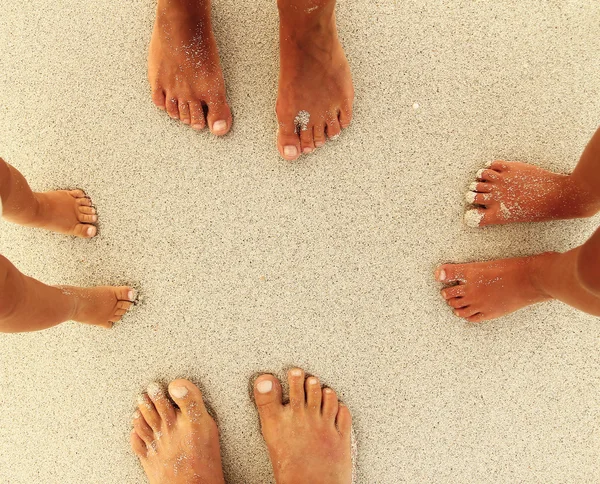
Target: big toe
<point x="219" y="117"/>
<point x="288" y="142"/>
<point x="188" y="398"/>
<point x="85" y="231"/>
<point x="267" y="395"/>
<point x="450" y="273"/>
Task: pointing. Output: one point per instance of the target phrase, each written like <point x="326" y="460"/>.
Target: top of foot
<point x="309" y="439"/>
<point x="184" y="69"/>
<point x="176" y="444"/>
<point x="508" y="192"/>
<point x="315" y="84"/>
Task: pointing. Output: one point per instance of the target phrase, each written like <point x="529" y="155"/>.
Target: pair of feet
<point x="315" y="95"/>
<point x="308" y="439"/>
<point x="503" y="193"/>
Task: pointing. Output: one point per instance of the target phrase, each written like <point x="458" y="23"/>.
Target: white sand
<point x="246" y="263"/>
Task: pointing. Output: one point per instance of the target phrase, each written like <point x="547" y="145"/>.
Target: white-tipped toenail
<point x="473" y="186"/>
<point x="473" y="218"/>
<point x="470" y="197"/>
<point x="142" y="400"/>
<point x="442" y="276"/>
<point x="154" y="390"/>
<point x="488" y="164"/>
<point x="290" y="151"/>
<point x="296" y="372"/>
<point x="91" y="231"/>
<point x="480" y="173"/>
<point x="131" y="295"/>
<point x="328" y="390"/>
<point x="198" y="126"/>
<point x="179" y="392"/>
<point x="220" y="125"/>
<point x="312" y="381"/>
<point x="264" y="386"/>
<point x="308" y="149"/>
<point x="136" y="415"/>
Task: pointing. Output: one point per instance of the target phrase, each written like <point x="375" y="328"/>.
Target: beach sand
<point x="246" y="263"/>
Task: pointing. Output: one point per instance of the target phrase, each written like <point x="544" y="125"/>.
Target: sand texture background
<point x="246" y="263"/>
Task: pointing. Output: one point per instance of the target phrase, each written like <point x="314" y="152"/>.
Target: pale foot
<point x="176" y="445"/>
<point x="67" y="212"/>
<point x="508" y="192"/>
<point x="309" y="439"/>
<point x="184" y="67"/>
<point x="315" y="84"/>
<point x="487" y="290"/>
<point x="100" y="306"/>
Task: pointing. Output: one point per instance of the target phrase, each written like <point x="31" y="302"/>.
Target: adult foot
<point x="315" y="84"/>
<point x="487" y="290"/>
<point x="62" y="211"/>
<point x="100" y="306"/>
<point x="176" y="445"/>
<point x="184" y="67"/>
<point x="509" y="192"/>
<point x="309" y="439"/>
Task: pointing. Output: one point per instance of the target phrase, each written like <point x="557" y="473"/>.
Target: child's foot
<point x="309" y="439"/>
<point x="487" y="290"/>
<point x="315" y="84"/>
<point x="176" y="445"/>
<point x="509" y="192"/>
<point x="184" y="67"/>
<point x="62" y="211"/>
<point x="100" y="306"/>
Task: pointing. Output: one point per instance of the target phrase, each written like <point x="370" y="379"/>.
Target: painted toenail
<point x="312" y="381"/>
<point x="131" y="295"/>
<point x="470" y="197"/>
<point x="480" y="173"/>
<point x="296" y="372"/>
<point x="307" y="150"/>
<point x="91" y="231"/>
<point x="198" y="126"/>
<point x="154" y="390"/>
<point x="264" y="386"/>
<point x="220" y="125"/>
<point x="179" y="392"/>
<point x="328" y="390"/>
<point x="473" y="186"/>
<point x="290" y="151"/>
<point x="442" y="275"/>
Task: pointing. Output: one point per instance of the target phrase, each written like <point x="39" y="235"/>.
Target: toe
<point x="184" y="112"/>
<point x="77" y="193"/>
<point x="449" y="273"/>
<point x="84" y="202"/>
<point x="87" y="210"/>
<point x="475" y="198"/>
<point x="477" y="318"/>
<point x="197" y="119"/>
<point x="172" y="106"/>
<point x="149" y="412"/>
<point x="141" y="427"/>
<point x="488" y="175"/>
<point x="307" y="143"/>
<point x="188" y="398"/>
<point x="85" y="231"/>
<point x="161" y="403"/>
<point x="124" y="305"/>
<point x="481" y="187"/>
<point x="330" y="404"/>
<point x="343" y="420"/>
<point x="333" y="128"/>
<point x="267" y="396"/>
<point x="87" y="219"/>
<point x="296" y="383"/>
<point x="457" y="302"/>
<point x="158" y="98"/>
<point x="219" y="117"/>
<point x="454" y="291"/>
<point x="498" y="166"/>
<point x="138" y="445"/>
<point x="319" y="135"/>
<point x="288" y="142"/>
<point x="475" y="217"/>
<point x="466" y="312"/>
<point x="125" y="293"/>
<point x="313" y="395"/>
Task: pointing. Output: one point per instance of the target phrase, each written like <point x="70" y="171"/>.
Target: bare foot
<point x="309" y="439"/>
<point x="176" y="445"/>
<point x="100" y="306"/>
<point x="184" y="67"/>
<point x="62" y="211"/>
<point x="315" y="84"/>
<point x="487" y="290"/>
<point x="510" y="192"/>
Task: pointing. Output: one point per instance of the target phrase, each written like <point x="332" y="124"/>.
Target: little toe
<point x="141" y="427"/>
<point x="313" y="395"/>
<point x="184" y="112"/>
<point x="219" y="117"/>
<point x="454" y="291"/>
<point x="307" y="143"/>
<point x="172" y="106"/>
<point x="161" y="403"/>
<point x="77" y="193"/>
<point x="138" y="445"/>
<point x="149" y="412"/>
<point x="288" y="142"/>
<point x="475" y="217"/>
<point x="188" y="398"/>
<point x="85" y="231"/>
<point x="477" y="318"/>
<point x="330" y="404"/>
<point x="343" y="420"/>
<point x="333" y="128"/>
<point x="449" y="273"/>
<point x="267" y="396"/>
<point x="319" y="135"/>
<point x="197" y="119"/>
<point x="158" y="98"/>
<point x="296" y="384"/>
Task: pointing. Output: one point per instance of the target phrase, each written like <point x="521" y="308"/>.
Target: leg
<point x="29" y="305"/>
<point x="66" y="212"/>
<point x="184" y="67"/>
<point x="315" y="84"/>
<point x="508" y="192"/>
<point x="309" y="439"/>
<point x="488" y="290"/>
<point x="176" y="445"/>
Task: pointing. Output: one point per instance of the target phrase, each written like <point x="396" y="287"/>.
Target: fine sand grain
<point x="246" y="263"/>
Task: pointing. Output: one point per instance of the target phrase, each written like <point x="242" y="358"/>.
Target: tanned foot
<point x="176" y="445"/>
<point x="184" y="67"/>
<point x="309" y="439"/>
<point x="487" y="290"/>
<point x="62" y="211"/>
<point x="315" y="84"/>
<point x="510" y="192"/>
<point x="100" y="306"/>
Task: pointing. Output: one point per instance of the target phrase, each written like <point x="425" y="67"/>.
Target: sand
<point x="246" y="263"/>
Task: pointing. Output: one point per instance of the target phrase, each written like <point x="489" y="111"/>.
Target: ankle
<point x="72" y="303"/>
<point x="586" y="198"/>
<point x="539" y="273"/>
<point x="183" y="8"/>
<point x="300" y="13"/>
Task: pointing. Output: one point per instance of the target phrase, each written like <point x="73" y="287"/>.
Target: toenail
<point x="220" y="125"/>
<point x="179" y="392"/>
<point x="442" y="275"/>
<point x="154" y="390"/>
<point x="136" y="415"/>
<point x="290" y="151"/>
<point x="312" y="381"/>
<point x="328" y="390"/>
<point x="264" y="386"/>
<point x="142" y="400"/>
<point x="480" y="173"/>
<point x="307" y="149"/>
<point x="198" y="126"/>
<point x="470" y="197"/>
<point x="91" y="231"/>
<point x="131" y="295"/>
<point x="473" y="186"/>
<point x="473" y="218"/>
<point x="296" y="372"/>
